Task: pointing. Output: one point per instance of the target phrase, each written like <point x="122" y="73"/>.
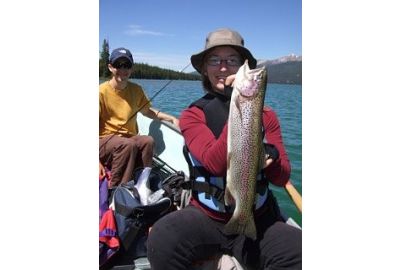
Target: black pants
<point x="188" y="235"/>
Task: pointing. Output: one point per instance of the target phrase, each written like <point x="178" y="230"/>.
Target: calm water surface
<point x="284" y="99"/>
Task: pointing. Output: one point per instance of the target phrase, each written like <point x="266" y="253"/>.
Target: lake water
<point x="284" y="99"/>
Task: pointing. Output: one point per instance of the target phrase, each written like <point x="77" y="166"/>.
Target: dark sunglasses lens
<point x="123" y="65"/>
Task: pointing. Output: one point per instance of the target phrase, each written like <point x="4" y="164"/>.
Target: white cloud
<point x="137" y="30"/>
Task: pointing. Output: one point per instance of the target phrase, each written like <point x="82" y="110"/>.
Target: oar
<point x="293" y="194"/>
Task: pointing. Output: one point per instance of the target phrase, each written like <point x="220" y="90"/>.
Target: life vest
<point x="208" y="189"/>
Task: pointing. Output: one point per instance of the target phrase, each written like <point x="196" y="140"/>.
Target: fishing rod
<point x="138" y="110"/>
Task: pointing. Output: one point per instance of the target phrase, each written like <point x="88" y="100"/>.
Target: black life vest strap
<point x="208" y="188"/>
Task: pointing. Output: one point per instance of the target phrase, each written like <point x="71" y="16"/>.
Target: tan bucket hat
<point x="223" y="37"/>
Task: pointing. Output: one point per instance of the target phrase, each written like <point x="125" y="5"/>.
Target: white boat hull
<point x="169" y="142"/>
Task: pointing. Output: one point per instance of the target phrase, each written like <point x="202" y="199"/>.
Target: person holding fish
<point x="234" y="149"/>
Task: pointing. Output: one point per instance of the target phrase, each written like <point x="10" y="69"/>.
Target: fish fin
<point x="248" y="229"/>
<point x="232" y="227"/>
<point x="228" y="198"/>
<point x="237" y="103"/>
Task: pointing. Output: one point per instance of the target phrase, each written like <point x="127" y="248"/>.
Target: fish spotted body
<point x="245" y="152"/>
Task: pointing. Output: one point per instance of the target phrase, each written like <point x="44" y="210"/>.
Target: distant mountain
<point x="286" y="69"/>
<point x="283" y="59"/>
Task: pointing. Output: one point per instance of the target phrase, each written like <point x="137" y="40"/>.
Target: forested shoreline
<point x="284" y="73"/>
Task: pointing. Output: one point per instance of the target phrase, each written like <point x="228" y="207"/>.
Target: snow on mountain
<point x="283" y="59"/>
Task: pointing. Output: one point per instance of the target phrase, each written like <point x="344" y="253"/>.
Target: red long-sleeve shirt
<point x="211" y="152"/>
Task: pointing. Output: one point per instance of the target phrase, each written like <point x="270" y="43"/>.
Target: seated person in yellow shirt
<point x="121" y="148"/>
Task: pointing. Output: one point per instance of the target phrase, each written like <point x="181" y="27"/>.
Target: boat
<point x="168" y="158"/>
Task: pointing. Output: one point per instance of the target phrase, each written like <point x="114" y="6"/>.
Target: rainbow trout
<point x="245" y="152"/>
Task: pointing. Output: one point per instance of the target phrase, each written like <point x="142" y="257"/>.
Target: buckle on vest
<point x="218" y="194"/>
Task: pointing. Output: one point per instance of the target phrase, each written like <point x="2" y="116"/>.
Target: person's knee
<point x="177" y="239"/>
<point x="162" y="242"/>
<point x="124" y="142"/>
<point x="172" y="229"/>
<point x="142" y="142"/>
<point x="148" y="140"/>
<point x="162" y="230"/>
<point x="129" y="145"/>
<point x="286" y="232"/>
<point x="283" y="246"/>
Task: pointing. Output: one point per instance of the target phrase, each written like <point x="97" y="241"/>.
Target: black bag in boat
<point x="133" y="219"/>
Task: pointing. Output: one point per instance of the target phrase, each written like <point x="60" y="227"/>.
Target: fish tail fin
<point x="248" y="229"/>
<point x="232" y="227"/>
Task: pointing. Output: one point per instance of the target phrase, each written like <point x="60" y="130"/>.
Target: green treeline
<point x="286" y="73"/>
<point x="141" y="70"/>
<point x="145" y="71"/>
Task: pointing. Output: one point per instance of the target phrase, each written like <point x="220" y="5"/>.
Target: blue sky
<point x="167" y="32"/>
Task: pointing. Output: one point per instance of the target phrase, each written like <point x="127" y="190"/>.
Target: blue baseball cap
<point x="121" y="53"/>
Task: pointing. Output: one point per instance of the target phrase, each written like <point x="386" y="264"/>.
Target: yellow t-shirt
<point x="117" y="106"/>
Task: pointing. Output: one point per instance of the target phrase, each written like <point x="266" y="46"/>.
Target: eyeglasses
<point x="125" y="65"/>
<point x="233" y="61"/>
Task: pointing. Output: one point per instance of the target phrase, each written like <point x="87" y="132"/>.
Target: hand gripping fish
<point x="245" y="152"/>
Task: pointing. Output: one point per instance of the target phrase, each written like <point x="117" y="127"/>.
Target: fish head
<point x="249" y="82"/>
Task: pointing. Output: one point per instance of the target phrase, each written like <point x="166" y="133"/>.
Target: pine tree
<point x="103" y="61"/>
